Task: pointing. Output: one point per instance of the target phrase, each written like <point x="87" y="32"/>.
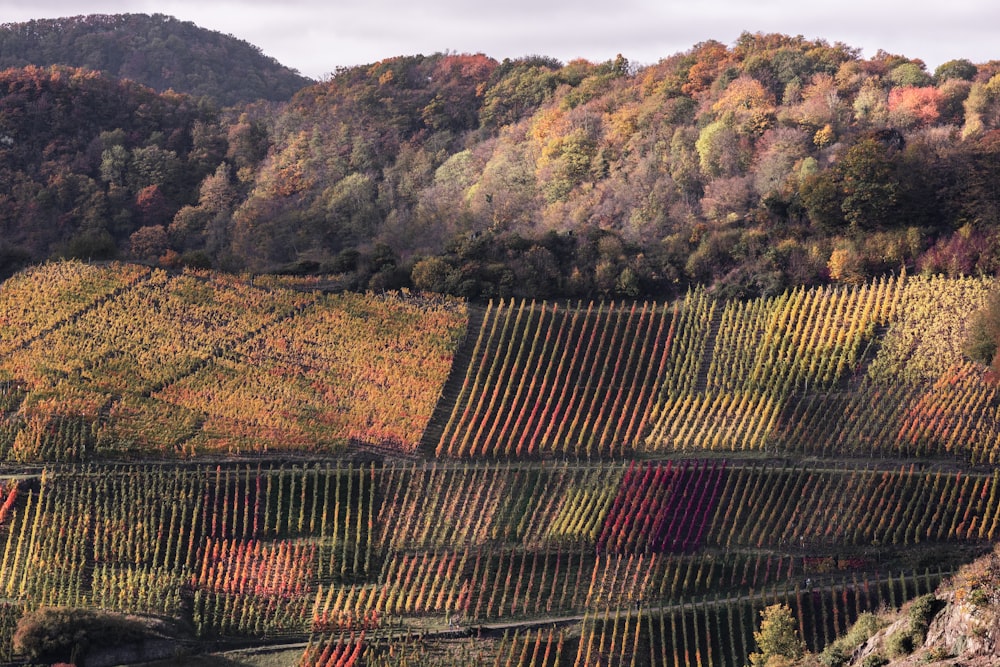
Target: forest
<point x="157" y="51"/>
<point x="752" y="167"/>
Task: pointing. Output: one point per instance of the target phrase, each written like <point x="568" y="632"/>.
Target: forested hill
<point x="158" y="51"/>
<point x="752" y="167"/>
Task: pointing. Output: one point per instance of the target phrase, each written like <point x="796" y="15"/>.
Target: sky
<point x="318" y="36"/>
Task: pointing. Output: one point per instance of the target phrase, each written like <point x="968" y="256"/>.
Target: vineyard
<point x="142" y="363"/>
<point x="873" y="371"/>
<point x="354" y="557"/>
<point x="404" y="479"/>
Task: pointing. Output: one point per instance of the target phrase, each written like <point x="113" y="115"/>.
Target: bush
<point x="922" y="610"/>
<point x="777" y="637"/>
<point x="838" y="652"/>
<point x="833" y="655"/>
<point x="978" y="597"/>
<point x="900" y="643"/>
<point x="63" y="634"/>
<point x="874" y="660"/>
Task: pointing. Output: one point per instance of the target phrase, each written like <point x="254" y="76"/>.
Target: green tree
<point x="821" y="195"/>
<point x="982" y="108"/>
<point x="719" y="150"/>
<point x="431" y="274"/>
<point x="114" y="165"/>
<point x="955" y="69"/>
<point x="871" y="103"/>
<point x="984" y="332"/>
<point x="868" y="179"/>
<point x="777" y="638"/>
<point x="522" y="88"/>
<point x="909" y="74"/>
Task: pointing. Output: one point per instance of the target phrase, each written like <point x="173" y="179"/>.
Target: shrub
<point x="63" y="634"/>
<point x="838" y="652"/>
<point x="978" y="597"/>
<point x="833" y="655"/>
<point x="874" y="660"/>
<point x="922" y="610"/>
<point x="900" y="643"/>
<point x="777" y="636"/>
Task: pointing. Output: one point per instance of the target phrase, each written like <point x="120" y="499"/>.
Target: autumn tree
<point x="982" y="108"/>
<point x="777" y="640"/>
<point x="148" y="243"/>
<point x="820" y="105"/>
<point x="709" y="58"/>
<point x="912" y="106"/>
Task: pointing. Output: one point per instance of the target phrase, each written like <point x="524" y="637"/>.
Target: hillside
<point x="750" y="168"/>
<point x="227" y="364"/>
<point x="157" y="51"/>
<point x="772" y="163"/>
<point x="955" y="624"/>
<point x="217" y="364"/>
<point x="408" y="478"/>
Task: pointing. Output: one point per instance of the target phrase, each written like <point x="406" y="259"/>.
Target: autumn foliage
<point x="747" y="166"/>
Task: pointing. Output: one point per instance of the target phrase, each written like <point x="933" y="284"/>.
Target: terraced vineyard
<point x="193" y="363"/>
<point x="369" y="553"/>
<point x="401" y="479"/>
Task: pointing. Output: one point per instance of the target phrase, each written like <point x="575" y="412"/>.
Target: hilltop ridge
<point x="156" y="50"/>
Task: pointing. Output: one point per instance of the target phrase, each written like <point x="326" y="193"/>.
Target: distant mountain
<point x="159" y="51"/>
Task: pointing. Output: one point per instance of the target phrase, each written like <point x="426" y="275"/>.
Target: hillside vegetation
<point x="157" y="51"/>
<point x="409" y="478"/>
<point x="286" y="425"/>
<point x="754" y="167"/>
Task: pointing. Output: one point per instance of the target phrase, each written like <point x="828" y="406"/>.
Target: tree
<point x="152" y="206"/>
<point x="955" y="69"/>
<point x="869" y="183"/>
<point x="982" y="108"/>
<point x="719" y="151"/>
<point x="149" y="242"/>
<point x="871" y="104"/>
<point x="821" y="196"/>
<point x="909" y="74"/>
<point x="911" y="106"/>
<point x="748" y="104"/>
<point x="114" y="165"/>
<point x="984" y="332"/>
<point x="431" y="274"/>
<point x="777" y="639"/>
<point x="820" y="105"/>
<point x="522" y="88"/>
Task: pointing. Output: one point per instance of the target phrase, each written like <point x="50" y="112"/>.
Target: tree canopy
<point x="773" y="162"/>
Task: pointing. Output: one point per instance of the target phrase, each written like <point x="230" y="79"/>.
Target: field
<point x="400" y="479"/>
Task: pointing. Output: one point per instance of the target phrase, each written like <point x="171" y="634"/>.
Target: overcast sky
<point x="317" y="36"/>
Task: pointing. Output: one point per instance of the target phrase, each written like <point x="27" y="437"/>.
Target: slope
<point x="158" y="51"/>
